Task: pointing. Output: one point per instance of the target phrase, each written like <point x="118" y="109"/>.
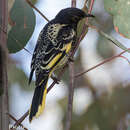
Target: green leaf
<point x="120" y="10"/>
<point x="34" y="1"/>
<point x="113" y="40"/>
<point x="128" y="128"/>
<point x="104" y="48"/>
<point x="105" y="112"/>
<point x="22" y="20"/>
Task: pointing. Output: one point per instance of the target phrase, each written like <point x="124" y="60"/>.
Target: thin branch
<point x="89" y="12"/>
<point x="73" y="3"/>
<point x="12" y="117"/>
<point x="125" y="58"/>
<point x="110" y="38"/>
<point x="91" y="6"/>
<point x="18" y="122"/>
<point x="103" y="62"/>
<point x="4" y="104"/>
<point x="70" y="97"/>
<point x="30" y="3"/>
<point x="71" y="88"/>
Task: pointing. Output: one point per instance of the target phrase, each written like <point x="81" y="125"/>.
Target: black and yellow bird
<point x="52" y="49"/>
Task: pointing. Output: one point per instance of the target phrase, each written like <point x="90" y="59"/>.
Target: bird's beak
<point x="90" y="15"/>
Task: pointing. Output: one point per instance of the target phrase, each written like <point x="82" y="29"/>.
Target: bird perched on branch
<point x="55" y="42"/>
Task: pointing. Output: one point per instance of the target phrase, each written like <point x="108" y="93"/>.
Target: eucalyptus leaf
<point x="22" y="20"/>
<point x="120" y="10"/>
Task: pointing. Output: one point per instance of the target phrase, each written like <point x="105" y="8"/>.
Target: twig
<point x="70" y="97"/>
<point x="18" y="122"/>
<point x="4" y="104"/>
<point x="71" y="88"/>
<point x="12" y="117"/>
<point x="30" y="3"/>
<point x="91" y="6"/>
<point x="103" y="62"/>
<point x="110" y="38"/>
<point x="89" y="12"/>
<point x="125" y="58"/>
<point x="73" y="3"/>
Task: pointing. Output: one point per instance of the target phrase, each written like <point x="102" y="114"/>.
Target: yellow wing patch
<point x="54" y="60"/>
<point x="67" y="48"/>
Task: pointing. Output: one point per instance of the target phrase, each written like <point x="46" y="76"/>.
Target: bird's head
<point x="71" y="16"/>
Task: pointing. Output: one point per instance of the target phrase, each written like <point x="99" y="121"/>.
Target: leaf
<point x="109" y="109"/>
<point x="120" y="10"/>
<point x="128" y="128"/>
<point x="104" y="48"/>
<point x="34" y="1"/>
<point x="105" y="112"/>
<point x="23" y="23"/>
<point x="10" y="4"/>
<point x="114" y="41"/>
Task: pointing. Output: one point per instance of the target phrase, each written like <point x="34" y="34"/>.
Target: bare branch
<point x="70" y="97"/>
<point x="125" y="58"/>
<point x="73" y="3"/>
<point x="30" y="3"/>
<point x="71" y="87"/>
<point x="91" y="6"/>
<point x="4" y="105"/>
<point x="110" y="38"/>
<point x="12" y="117"/>
<point x="18" y="122"/>
<point x="103" y="62"/>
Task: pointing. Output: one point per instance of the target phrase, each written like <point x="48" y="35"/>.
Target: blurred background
<point x="101" y="96"/>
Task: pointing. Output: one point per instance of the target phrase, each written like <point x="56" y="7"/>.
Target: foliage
<point x="120" y="9"/>
<point x="22" y="22"/>
<point x="105" y="112"/>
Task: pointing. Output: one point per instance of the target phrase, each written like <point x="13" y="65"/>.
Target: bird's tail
<point x="38" y="101"/>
